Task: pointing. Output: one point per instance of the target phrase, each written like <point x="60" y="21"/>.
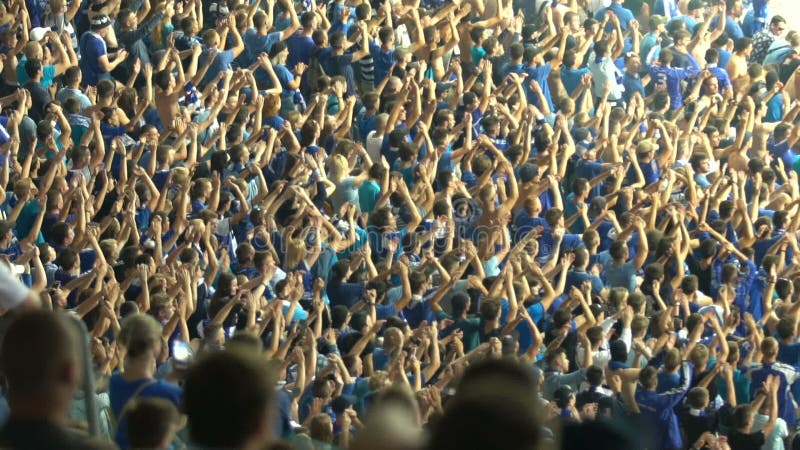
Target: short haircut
<point x="697" y="397"/>
<point x="35" y="348"/>
<point x="649" y="377"/>
<point x="741" y="44"/>
<point x="769" y="347"/>
<point x="32" y="67"/>
<point x="150" y="420"/>
<point x="741" y="416"/>
<point x="226" y="397"/>
<point x="786" y="327"/>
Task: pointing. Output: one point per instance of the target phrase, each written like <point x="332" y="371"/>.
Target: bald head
<point x="39" y="354"/>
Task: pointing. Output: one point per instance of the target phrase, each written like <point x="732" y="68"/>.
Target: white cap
<point x="12" y="292"/>
<point x="38" y="33"/>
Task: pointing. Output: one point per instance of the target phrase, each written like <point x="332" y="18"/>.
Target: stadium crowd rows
<point x="399" y="224"/>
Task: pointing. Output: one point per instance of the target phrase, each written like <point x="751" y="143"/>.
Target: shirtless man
<point x="170" y="89"/>
<point x="737" y="66"/>
<point x="431" y="52"/>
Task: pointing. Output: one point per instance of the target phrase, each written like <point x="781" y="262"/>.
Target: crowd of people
<point x="400" y="224"/>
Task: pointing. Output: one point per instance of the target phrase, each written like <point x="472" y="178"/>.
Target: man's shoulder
<point x="163" y="388"/>
<point x="29" y="435"/>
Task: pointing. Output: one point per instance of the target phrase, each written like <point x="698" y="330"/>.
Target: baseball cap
<point x="657" y="19"/>
<point x="99" y="22"/>
<point x="38" y="33"/>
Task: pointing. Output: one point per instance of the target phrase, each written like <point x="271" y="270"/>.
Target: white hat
<point x="12" y="292"/>
<point x="37" y="34"/>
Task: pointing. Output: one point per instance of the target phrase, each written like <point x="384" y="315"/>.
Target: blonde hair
<point x="339" y="168"/>
<point x="211" y="38"/>
<point x="180" y="175"/>
<point x="380" y="122"/>
<point x="295" y="253"/>
<point x="138" y="333"/>
<point x="321" y="428"/>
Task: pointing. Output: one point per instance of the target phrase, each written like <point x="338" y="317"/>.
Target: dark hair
<point x="741" y="44"/>
<point x="600" y="48"/>
<point x="594" y="376"/>
<point x="226" y="396"/>
<point x="150" y="420"/>
<point x="504" y="387"/>
<point x="32" y="67"/>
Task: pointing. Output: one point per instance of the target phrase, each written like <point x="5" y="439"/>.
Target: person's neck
<point x="138" y="369"/>
<point x="53" y="410"/>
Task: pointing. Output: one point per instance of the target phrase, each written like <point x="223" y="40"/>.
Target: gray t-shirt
<point x="623" y="275"/>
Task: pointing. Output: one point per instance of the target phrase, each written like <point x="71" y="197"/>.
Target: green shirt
<point x="368" y="194"/>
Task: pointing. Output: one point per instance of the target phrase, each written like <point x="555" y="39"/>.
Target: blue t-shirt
<point x="284" y="77"/>
<point x="300" y="49"/>
<point x="576" y="278"/>
<point x="121" y="390"/>
<point x="572" y="78"/>
<point x="256" y="44"/>
<point x="536" y="311"/>
<point x="621" y="276"/>
<point x="671" y="77"/>
<point x="733" y="29"/>
<point x="540" y="75"/>
<point x="383" y="61"/>
<point x="347" y="294"/>
<point x="276" y="122"/>
<point x="632" y="84"/>
<point x="221" y="62"/>
<point x="92" y="47"/>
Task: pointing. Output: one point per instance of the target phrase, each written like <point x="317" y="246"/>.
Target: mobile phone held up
<point x="182" y="354"/>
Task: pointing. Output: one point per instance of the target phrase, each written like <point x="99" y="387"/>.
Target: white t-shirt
<point x="775" y="439"/>
<point x="374" y="145"/>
